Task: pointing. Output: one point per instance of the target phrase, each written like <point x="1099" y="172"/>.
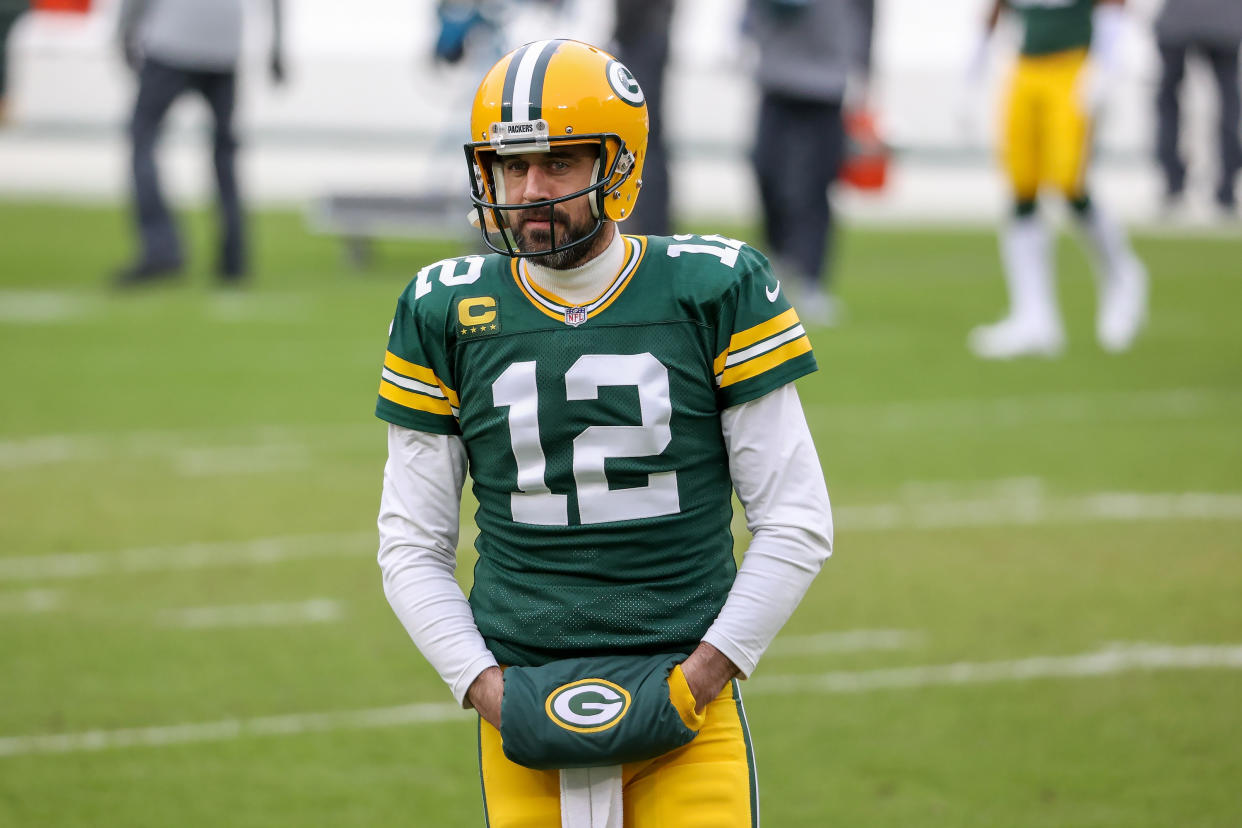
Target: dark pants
<point x="7" y="18"/>
<point x="1224" y="64"/>
<point x="798" y="152"/>
<point x="644" y="51"/>
<point x="158" y="87"/>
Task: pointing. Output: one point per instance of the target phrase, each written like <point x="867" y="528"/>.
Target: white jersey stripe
<point x="766" y="345"/>
<point x="412" y="385"/>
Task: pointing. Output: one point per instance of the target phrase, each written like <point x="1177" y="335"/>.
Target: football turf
<point x="1032" y="617"/>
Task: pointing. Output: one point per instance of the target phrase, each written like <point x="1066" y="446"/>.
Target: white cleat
<point x="1012" y="338"/>
<point x="1123" y="307"/>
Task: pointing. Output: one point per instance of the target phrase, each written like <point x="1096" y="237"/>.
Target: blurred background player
<point x="177" y="46"/>
<point x="1211" y="29"/>
<point x="641" y="33"/>
<point x="10" y="10"/>
<point x="809" y="52"/>
<point x="1068" y="61"/>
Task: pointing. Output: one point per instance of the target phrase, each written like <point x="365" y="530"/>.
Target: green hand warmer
<point x="591" y="712"/>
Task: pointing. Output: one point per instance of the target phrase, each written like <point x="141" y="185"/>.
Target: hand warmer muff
<point x="592" y="712"/>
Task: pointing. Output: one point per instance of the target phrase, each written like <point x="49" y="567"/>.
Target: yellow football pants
<point x="1046" y="133"/>
<point x="709" y="783"/>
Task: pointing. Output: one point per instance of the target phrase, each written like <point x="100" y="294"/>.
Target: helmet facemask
<point x="493" y="213"/>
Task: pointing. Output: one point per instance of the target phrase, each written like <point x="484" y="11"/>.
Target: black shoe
<point x="145" y="273"/>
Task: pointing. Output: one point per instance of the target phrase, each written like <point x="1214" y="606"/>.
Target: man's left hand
<point x="707" y="671"/>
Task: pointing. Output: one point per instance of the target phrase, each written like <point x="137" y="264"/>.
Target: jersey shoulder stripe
<point x="761" y="348"/>
<point x="416" y="387"/>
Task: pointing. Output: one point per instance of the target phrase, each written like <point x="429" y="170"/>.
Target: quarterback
<point x="1068" y="58"/>
<point x="606" y="394"/>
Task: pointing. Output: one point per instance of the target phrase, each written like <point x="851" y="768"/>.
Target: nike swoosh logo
<point x="772" y="293"/>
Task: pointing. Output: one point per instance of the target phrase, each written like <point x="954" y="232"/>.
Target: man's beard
<point x="541" y="239"/>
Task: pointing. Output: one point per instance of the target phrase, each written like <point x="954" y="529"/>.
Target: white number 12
<point x="534" y="502"/>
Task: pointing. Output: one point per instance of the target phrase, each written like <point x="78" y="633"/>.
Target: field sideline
<point x="1031" y="618"/>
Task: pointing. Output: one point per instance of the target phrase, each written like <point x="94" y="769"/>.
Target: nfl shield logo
<point x="575" y="316"/>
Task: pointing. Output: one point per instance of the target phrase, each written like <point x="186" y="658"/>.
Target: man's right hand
<point x="485" y="694"/>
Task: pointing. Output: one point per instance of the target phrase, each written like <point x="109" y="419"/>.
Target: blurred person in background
<point x="641" y="34"/>
<point x="607" y="394"/>
<point x="178" y="46"/>
<point x="1211" y="29"/>
<point x="10" y="10"/>
<point x="1068" y="62"/>
<point x="811" y="52"/>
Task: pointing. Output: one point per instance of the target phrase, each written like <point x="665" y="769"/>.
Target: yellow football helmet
<point x="556" y="92"/>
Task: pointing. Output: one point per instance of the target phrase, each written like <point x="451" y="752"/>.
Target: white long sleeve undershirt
<point x="778" y="479"/>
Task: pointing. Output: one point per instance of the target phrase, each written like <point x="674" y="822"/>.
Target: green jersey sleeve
<point x="416" y="389"/>
<point x="760" y="342"/>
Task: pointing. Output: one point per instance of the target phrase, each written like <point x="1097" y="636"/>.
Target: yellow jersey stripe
<point x="766" y="362"/>
<point x="409" y="399"/>
<point x="395" y="363"/>
<point x="763" y="330"/>
<point x="719" y="364"/>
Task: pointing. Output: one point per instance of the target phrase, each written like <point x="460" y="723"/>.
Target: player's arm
<point x="778" y="478"/>
<point x="418" y="529"/>
<point x="1108" y="20"/>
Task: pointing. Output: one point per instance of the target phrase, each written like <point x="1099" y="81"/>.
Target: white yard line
<point x="1010" y="507"/>
<point x="313" y="611"/>
<point x="228" y="730"/>
<point x="188" y="556"/>
<point x="30" y="601"/>
<point x="1002" y="503"/>
<point x="847" y="641"/>
<point x="239" y="460"/>
<point x="174" y="444"/>
<point x="1112" y="660"/>
<point x="39" y="307"/>
<point x="1173" y="403"/>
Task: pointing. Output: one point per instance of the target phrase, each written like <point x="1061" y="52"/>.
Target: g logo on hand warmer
<point x="587" y="705"/>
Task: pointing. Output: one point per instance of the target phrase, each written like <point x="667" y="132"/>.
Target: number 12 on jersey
<point x="534" y="502"/>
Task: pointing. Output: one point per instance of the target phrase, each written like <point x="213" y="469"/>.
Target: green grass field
<point x="192" y="630"/>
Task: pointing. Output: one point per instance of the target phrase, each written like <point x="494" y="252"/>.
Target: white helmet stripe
<point x="525" y="75"/>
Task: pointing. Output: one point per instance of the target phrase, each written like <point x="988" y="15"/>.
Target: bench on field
<point x="360" y="219"/>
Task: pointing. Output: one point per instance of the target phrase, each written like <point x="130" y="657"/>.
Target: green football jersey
<point x="593" y="434"/>
<point x="1054" y="25"/>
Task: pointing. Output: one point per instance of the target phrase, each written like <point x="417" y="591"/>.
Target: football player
<point x="1069" y="55"/>
<point x="607" y="394"/>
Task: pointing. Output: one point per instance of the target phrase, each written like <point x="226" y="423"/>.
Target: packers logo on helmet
<point x="588" y="705"/>
<point x="548" y="94"/>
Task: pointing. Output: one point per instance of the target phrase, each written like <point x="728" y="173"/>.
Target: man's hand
<point x="707" y="671"/>
<point x="485" y="694"/>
